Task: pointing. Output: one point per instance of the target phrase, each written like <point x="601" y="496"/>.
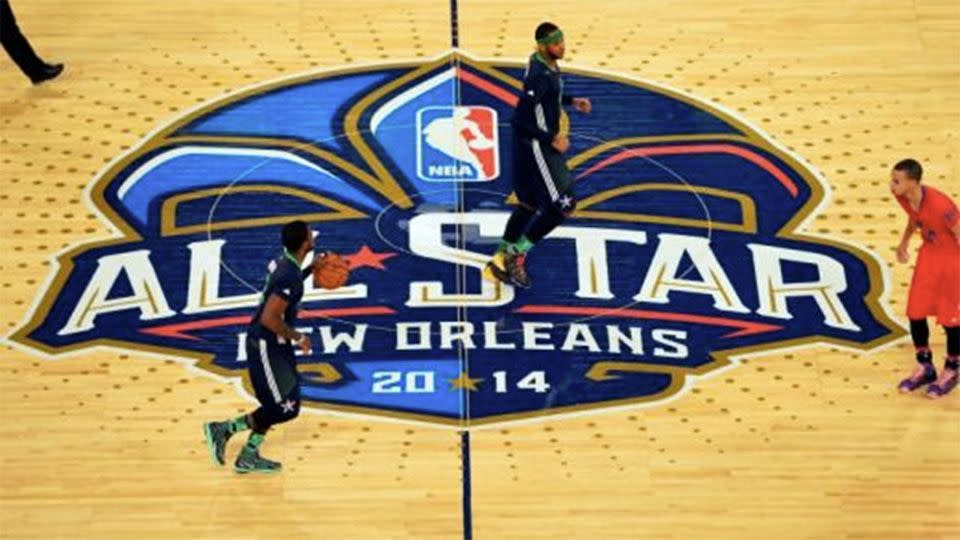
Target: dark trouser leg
<point x="953" y="341"/>
<point x="925" y="372"/>
<point x="517" y="224"/>
<point x="16" y="44"/>
<point x="545" y="223"/>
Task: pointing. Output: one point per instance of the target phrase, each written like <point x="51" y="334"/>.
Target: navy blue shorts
<point x="540" y="174"/>
<point x="276" y="383"/>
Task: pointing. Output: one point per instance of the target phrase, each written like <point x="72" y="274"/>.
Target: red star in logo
<point x="367" y="257"/>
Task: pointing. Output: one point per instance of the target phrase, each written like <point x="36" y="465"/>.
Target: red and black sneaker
<point x="496" y="268"/>
<point x="514" y="264"/>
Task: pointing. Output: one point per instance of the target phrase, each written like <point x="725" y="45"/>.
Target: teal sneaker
<point x="250" y="461"/>
<point x="217" y="434"/>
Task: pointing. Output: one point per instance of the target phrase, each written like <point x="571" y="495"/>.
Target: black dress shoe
<point x="46" y="73"/>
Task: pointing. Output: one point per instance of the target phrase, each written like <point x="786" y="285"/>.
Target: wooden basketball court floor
<point x="814" y="443"/>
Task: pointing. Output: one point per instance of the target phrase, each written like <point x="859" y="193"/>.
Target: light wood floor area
<point x="815" y="444"/>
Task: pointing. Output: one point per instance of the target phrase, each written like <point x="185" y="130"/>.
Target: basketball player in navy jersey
<point x="271" y="339"/>
<point x="541" y="179"/>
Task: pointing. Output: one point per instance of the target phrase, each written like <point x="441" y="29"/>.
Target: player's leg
<point x="19" y="49"/>
<point x="513" y="253"/>
<point x="948" y="315"/>
<point x="513" y="235"/>
<point x="949" y="376"/>
<point x="924" y="373"/>
<point x="531" y="195"/>
<point x="921" y="302"/>
<point x="528" y="188"/>
<point x="267" y="416"/>
<point x="551" y="218"/>
<point x="512" y="241"/>
<point x="217" y="434"/>
<point x="15" y="43"/>
<point x="557" y="202"/>
<point x="278" y="404"/>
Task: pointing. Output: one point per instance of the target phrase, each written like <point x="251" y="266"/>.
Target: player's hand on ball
<point x="583" y="105"/>
<point x="330" y="271"/>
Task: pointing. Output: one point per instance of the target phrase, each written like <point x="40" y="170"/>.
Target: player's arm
<point x="311" y="268"/>
<point x="272" y="319"/>
<point x="902" y="254"/>
<point x="308" y="271"/>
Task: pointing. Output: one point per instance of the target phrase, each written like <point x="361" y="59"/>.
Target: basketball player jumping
<point x="935" y="289"/>
<point x="541" y="179"/>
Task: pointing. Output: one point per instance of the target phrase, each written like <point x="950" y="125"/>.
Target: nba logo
<point x="457" y="144"/>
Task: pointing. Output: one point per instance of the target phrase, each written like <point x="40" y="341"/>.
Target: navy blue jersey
<point x="537" y="115"/>
<point x="285" y="279"/>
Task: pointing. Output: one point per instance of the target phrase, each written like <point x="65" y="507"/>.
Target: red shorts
<point x="935" y="289"/>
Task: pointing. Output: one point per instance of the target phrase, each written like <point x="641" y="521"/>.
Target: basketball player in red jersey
<point x="935" y="289"/>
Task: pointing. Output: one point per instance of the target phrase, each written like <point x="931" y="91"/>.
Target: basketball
<point x="330" y="271"/>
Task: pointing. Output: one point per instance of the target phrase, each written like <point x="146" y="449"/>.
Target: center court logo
<point x="686" y="250"/>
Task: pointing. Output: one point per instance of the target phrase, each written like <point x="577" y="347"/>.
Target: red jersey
<point x="935" y="288"/>
<point x="936" y="216"/>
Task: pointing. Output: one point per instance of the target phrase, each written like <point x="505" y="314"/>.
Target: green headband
<point x="552" y="38"/>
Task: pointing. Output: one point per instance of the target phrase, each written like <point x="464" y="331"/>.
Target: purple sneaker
<point x="935" y="391"/>
<point x="910" y="384"/>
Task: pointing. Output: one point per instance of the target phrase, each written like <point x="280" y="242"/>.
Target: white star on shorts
<point x="566" y="201"/>
<point x="288" y="406"/>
